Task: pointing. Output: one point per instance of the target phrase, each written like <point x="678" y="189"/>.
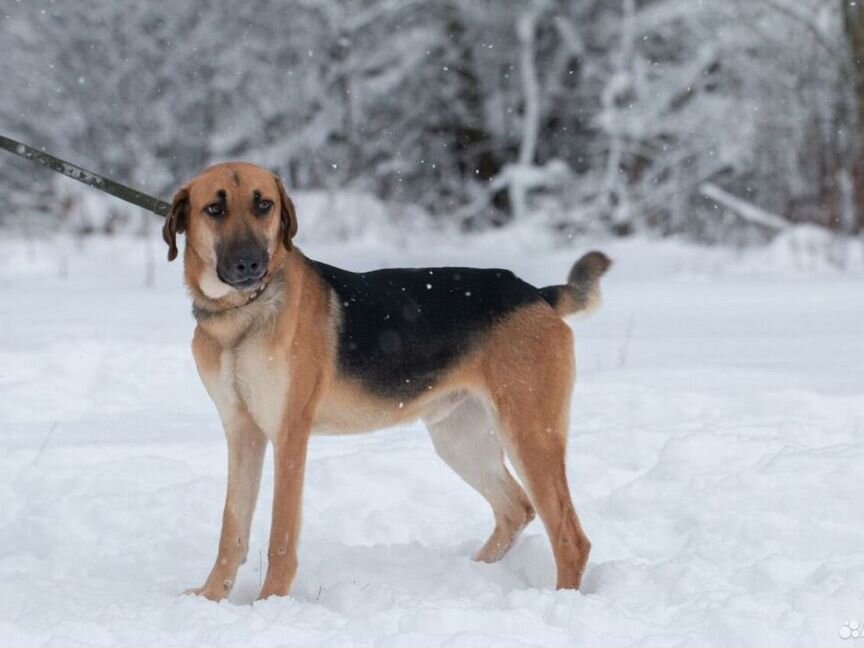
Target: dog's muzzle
<point x="243" y="267"/>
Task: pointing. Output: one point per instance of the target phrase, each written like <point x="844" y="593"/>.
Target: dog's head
<point x="238" y="221"/>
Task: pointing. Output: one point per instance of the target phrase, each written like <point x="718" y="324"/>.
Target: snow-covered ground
<point x="716" y="458"/>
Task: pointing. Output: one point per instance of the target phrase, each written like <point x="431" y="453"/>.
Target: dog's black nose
<point x="242" y="267"/>
<point x="246" y="267"/>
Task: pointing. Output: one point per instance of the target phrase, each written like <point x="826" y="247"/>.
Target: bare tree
<point x="853" y="22"/>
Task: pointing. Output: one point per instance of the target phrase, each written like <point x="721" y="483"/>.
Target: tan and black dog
<point x="287" y="347"/>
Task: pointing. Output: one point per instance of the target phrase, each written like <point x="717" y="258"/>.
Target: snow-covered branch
<point x="743" y="209"/>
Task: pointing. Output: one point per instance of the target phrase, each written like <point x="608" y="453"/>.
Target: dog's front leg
<point x="246" y="447"/>
<point x="289" y="452"/>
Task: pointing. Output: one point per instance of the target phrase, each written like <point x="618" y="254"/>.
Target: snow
<point x="716" y="457"/>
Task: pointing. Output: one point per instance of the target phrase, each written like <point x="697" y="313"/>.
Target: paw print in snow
<point x="851" y="630"/>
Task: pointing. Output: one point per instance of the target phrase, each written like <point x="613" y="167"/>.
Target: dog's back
<point x="402" y="328"/>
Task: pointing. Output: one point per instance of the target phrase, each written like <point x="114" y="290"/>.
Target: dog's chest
<point x="258" y="380"/>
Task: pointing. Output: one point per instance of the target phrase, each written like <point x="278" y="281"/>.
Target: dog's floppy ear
<point x="288" y="216"/>
<point x="175" y="223"/>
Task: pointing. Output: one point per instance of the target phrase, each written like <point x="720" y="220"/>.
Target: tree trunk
<point x="853" y="22"/>
<point x="526" y="26"/>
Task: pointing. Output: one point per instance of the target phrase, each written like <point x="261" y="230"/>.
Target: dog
<point x="287" y="346"/>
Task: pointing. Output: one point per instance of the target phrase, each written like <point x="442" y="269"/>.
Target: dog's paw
<point x="209" y="592"/>
<point x="270" y="591"/>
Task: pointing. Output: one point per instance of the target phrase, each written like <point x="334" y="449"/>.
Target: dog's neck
<point x="232" y="317"/>
<point x="231" y="324"/>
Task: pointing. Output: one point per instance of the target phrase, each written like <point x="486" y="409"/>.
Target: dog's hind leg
<point x="530" y="377"/>
<point x="467" y="440"/>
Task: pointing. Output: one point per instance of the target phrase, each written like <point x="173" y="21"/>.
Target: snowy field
<point x="716" y="458"/>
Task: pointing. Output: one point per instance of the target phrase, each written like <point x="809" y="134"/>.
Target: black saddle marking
<point x="403" y="328"/>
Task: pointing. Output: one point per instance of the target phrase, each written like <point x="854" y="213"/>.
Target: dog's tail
<point x="581" y="293"/>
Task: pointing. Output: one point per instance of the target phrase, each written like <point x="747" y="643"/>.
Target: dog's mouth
<point x="245" y="284"/>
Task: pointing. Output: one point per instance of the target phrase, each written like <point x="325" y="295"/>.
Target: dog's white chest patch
<point x="261" y="382"/>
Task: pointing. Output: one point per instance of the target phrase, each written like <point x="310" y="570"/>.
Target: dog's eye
<point x="215" y="210"/>
<point x="263" y="206"/>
